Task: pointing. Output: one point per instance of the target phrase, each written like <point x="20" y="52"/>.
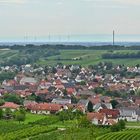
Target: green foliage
<point x="120" y="55"/>
<point x="65" y="92"/>
<point x="114" y="103"/>
<point x="7" y="76"/>
<point x="8" y="113"/>
<point x="121" y="124"/>
<point x="137" y="92"/>
<point x="32" y="97"/>
<point x="99" y="90"/>
<point x="13" y="98"/>
<point x="127" y="134"/>
<point x="1" y="113"/>
<point x="2" y="102"/>
<point x="90" y="106"/>
<point x="118" y="127"/>
<point x="69" y="115"/>
<point x="20" y="115"/>
<point x="28" y="132"/>
<point x="46" y="121"/>
<point x="82" y="83"/>
<point x="84" y="122"/>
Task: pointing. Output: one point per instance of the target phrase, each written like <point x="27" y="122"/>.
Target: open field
<point x="88" y="57"/>
<point x="84" y="57"/>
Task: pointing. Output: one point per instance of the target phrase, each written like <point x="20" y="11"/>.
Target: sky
<point x="20" y="18"/>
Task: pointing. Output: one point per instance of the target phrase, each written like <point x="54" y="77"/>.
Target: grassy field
<point x="89" y="57"/>
<point x="7" y="54"/>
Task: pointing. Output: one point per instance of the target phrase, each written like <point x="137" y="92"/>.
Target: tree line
<point x="120" y="55"/>
<point x="68" y="47"/>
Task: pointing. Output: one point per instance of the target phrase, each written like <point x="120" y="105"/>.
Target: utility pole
<point x="113" y="37"/>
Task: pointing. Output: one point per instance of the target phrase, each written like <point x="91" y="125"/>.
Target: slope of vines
<point x="128" y="134"/>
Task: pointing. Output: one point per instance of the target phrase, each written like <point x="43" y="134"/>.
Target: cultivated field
<point x="41" y="127"/>
<point x="88" y="57"/>
<point x="81" y="57"/>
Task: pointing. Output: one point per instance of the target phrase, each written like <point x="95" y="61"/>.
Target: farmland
<point x="88" y="57"/>
<point x="40" y="127"/>
<point x="44" y="56"/>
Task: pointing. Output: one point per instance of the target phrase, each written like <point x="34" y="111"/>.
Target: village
<point x="104" y="93"/>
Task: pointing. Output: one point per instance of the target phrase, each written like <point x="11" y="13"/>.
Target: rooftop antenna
<point x="113" y="37"/>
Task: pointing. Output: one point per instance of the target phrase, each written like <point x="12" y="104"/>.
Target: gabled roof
<point x="110" y="113"/>
<point x="10" y="105"/>
<point x="83" y="102"/>
<point x="29" y="80"/>
<point x="61" y="101"/>
<point x="70" y="90"/>
<point x="95" y="115"/>
<point x="46" y="107"/>
<point x="103" y="105"/>
<point x="127" y="111"/>
<point x="44" y="91"/>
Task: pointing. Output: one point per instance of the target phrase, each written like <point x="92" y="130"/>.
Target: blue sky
<point x="61" y="17"/>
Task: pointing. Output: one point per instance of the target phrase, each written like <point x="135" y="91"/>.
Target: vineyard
<point x="39" y="127"/>
<point x="127" y="134"/>
<point x="28" y="132"/>
<point x="11" y="130"/>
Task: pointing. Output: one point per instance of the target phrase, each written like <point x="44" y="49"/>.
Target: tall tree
<point x="90" y="106"/>
<point x="114" y="103"/>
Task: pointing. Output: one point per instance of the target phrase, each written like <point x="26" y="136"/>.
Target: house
<point x="61" y="101"/>
<point x="95" y="99"/>
<point x="27" y="103"/>
<point x="71" y="91"/>
<point x="110" y="113"/>
<point x="105" y="99"/>
<point x="45" y="108"/>
<point x="129" y="114"/>
<point x="97" y="118"/>
<point x="43" y="91"/>
<point x="83" y="102"/>
<point x="28" y="81"/>
<point x="99" y="106"/>
<point x="86" y="93"/>
<point x="10" y="105"/>
<point x="79" y="107"/>
<point x="44" y="84"/>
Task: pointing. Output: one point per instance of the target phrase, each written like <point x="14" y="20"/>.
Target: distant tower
<point x="113" y="37"/>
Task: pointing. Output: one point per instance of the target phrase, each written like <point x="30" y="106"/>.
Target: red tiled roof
<point x="60" y="86"/>
<point x="95" y="115"/>
<point x="58" y="82"/>
<point x="44" y="91"/>
<point x="80" y="108"/>
<point x="70" y="90"/>
<point x="46" y="106"/>
<point x="110" y="113"/>
<point x="10" y="105"/>
<point x="95" y="100"/>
